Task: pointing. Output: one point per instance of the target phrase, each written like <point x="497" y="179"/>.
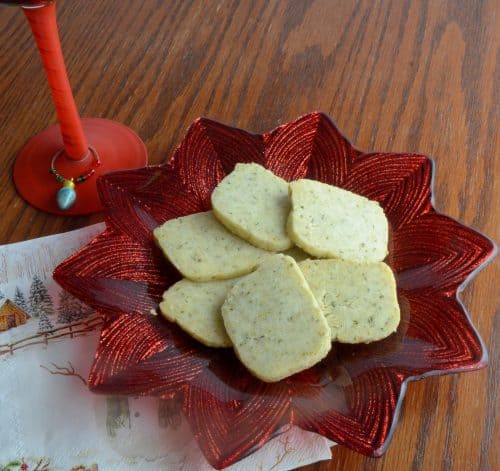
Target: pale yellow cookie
<point x="274" y="321"/>
<point x="253" y="203"/>
<point x="196" y="308"/>
<point x="359" y="300"/>
<point x="203" y="250"/>
<point x="329" y="222"/>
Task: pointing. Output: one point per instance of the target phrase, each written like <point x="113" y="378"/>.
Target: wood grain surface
<point x="417" y="76"/>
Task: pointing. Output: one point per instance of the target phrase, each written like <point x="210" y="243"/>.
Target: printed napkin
<point x="48" y="418"/>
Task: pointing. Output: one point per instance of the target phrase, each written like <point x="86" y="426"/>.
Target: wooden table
<point x="411" y="76"/>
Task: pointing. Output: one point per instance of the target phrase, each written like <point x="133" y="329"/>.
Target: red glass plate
<point x="354" y="395"/>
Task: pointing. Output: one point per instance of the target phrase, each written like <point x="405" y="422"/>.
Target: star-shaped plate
<point x="354" y="395"/>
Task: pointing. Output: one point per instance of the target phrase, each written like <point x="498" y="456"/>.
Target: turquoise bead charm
<point x="66" y="196"/>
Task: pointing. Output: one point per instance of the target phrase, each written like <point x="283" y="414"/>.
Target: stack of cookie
<point x="280" y="270"/>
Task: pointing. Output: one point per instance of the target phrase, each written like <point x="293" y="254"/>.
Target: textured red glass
<point x="354" y="395"/>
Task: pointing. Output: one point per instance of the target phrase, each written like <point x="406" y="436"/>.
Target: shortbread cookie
<point x="359" y="300"/>
<point x="203" y="250"/>
<point x="196" y="308"/>
<point x="253" y="203"/>
<point x="327" y="222"/>
<point x="274" y="321"/>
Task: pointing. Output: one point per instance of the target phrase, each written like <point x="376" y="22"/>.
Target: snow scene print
<point x="31" y="303"/>
<point x="35" y="305"/>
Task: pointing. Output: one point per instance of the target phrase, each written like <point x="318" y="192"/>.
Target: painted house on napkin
<point x="11" y="316"/>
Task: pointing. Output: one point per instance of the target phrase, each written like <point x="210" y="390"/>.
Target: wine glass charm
<point x="66" y="195"/>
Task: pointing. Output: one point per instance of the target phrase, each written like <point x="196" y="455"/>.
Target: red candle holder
<point x="117" y="146"/>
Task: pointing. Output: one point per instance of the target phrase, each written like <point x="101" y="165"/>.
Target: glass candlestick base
<point x="119" y="148"/>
